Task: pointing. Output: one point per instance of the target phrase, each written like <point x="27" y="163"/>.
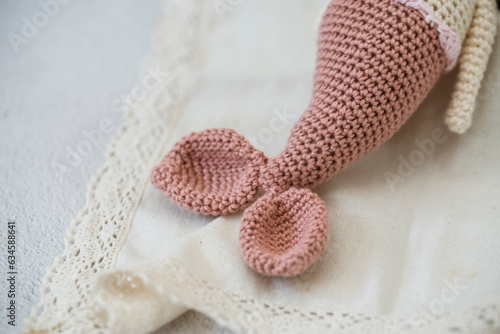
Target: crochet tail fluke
<point x="377" y="60"/>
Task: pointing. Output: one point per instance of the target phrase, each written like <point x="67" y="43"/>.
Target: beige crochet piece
<point x="456" y="14"/>
<point x="474" y="21"/>
<point x="473" y="60"/>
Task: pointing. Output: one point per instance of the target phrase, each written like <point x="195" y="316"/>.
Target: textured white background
<point x="61" y="82"/>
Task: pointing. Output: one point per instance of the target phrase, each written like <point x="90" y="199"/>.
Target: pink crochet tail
<point x="377" y="60"/>
<point x="218" y="172"/>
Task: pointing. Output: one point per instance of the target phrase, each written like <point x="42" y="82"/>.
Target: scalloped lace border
<point x="97" y="234"/>
<point x="156" y="285"/>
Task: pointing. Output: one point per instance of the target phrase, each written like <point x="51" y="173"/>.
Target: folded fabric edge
<point x="131" y="301"/>
<point x="165" y="289"/>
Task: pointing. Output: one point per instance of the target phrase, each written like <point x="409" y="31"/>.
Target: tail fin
<point x="214" y="172"/>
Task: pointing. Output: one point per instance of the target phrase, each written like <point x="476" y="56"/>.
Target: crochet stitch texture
<point x="282" y="235"/>
<point x="213" y="172"/>
<point x="473" y="60"/>
<point x="377" y="60"/>
<point x="472" y="25"/>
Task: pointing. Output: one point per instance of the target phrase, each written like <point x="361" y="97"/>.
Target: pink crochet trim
<point x="449" y="39"/>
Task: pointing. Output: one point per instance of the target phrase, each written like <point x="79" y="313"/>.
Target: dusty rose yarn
<point x="214" y="172"/>
<point x="281" y="235"/>
<point x="377" y="60"/>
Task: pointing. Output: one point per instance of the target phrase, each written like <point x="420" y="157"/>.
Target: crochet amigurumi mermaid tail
<point x="377" y="61"/>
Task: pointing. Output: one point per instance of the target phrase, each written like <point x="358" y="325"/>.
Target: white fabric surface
<point x="392" y="258"/>
<point x="61" y="82"/>
<point x="409" y="254"/>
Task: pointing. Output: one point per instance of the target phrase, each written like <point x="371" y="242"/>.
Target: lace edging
<point x="156" y="286"/>
<point x="96" y="235"/>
